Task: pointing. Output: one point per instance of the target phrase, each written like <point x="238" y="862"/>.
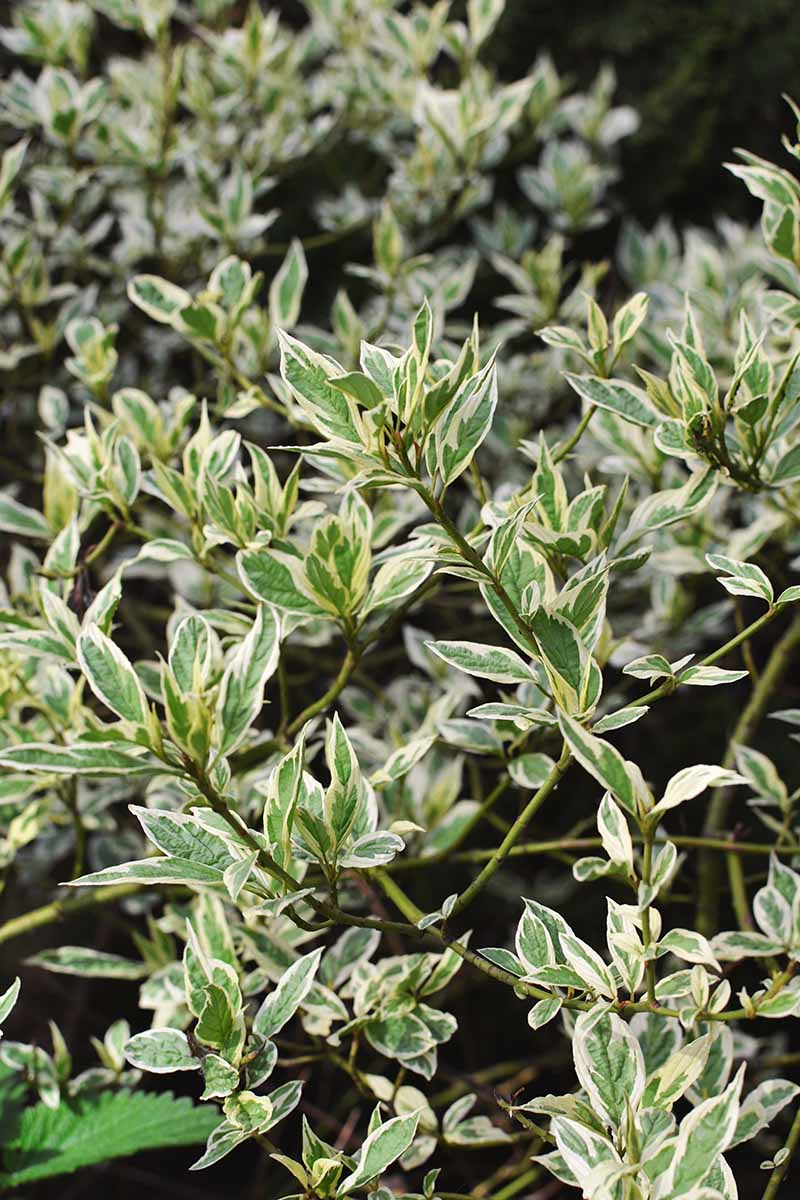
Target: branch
<point x="778" y="663"/>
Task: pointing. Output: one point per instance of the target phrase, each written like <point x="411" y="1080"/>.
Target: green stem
<point x="524" y="849"/>
<point x="101" y="547"/>
<point x="648" y="833"/>
<point x="501" y="853"/>
<point x="741" y="905"/>
<point x="59" y="910"/>
<point x="562" y="451"/>
<point x="482" y="811"/>
<point x="670" y="685"/>
<point x="79" y="829"/>
<point x="778" y="663"/>
<point x="516" y="1185"/>
<point x="401" y="901"/>
<point x="409" y="909"/>
<point x="471" y="555"/>
<point x="777" y="1176"/>
<point x="316" y="240"/>
<point x="262" y="750"/>
<point x="480" y="487"/>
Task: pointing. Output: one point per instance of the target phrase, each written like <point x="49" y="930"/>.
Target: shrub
<point x="327" y="645"/>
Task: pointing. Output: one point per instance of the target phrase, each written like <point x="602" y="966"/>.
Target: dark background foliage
<point x="705" y="76"/>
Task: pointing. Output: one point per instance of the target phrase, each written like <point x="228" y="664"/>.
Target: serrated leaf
<point x="95" y="1128"/>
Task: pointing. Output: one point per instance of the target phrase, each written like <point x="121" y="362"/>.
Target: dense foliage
<point x="350" y="643"/>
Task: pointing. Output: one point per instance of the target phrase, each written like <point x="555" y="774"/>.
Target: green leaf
<point x="286" y="289"/>
<point x="383" y="1147"/>
<point x="670" y="506"/>
<point x="89" y="963"/>
<point x="164" y="550"/>
<point x="241" y="694"/>
<point x="613" y="829"/>
<point x="531" y="770"/>
<point x="237" y="874"/>
<point x="345" y="798"/>
<point x="760" y="1106"/>
<point x="624" y="399"/>
<point x="691" y="781"/>
<point x="565" y="658"/>
<point x="10" y="166"/>
<point x="182" y="836"/>
<point x="628" y="318"/>
<point x="293" y="986"/>
<point x="739" y="944"/>
<point x="487" y="662"/>
<point x="248" y="1111"/>
<point x="395" y="580"/>
<point x="482" y="16"/>
<point x="703" y="1134"/>
<point x="787" y="469"/>
<point x="621" y="718"/>
<point x="161" y="1051"/>
<point x="601" y="760"/>
<point x="306" y="373"/>
<point x="589" y="967"/>
<point x="609" y="1064"/>
<point x="582" y="1152"/>
<point x="544" y="1011"/>
<point x="219" y="1026"/>
<point x="562" y="338"/>
<point x="741" y="578"/>
<point x="277" y="578"/>
<point x="18" y="519"/>
<point x="8" y="999"/>
<point x="81" y="758"/>
<point x="157" y="297"/>
<point x="95" y="1128"/>
<point x="372" y="850"/>
<point x="219" y="1077"/>
<point x="110" y="676"/>
<point x="465" y="422"/>
<point x="710" y="676"/>
<point x="360" y="387"/>
<point x="221" y="1141"/>
<point x="760" y="772"/>
<point x="200" y="322"/>
<point x="151" y="870"/>
<point x="677" y="1074"/>
<point x="688" y="945"/>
